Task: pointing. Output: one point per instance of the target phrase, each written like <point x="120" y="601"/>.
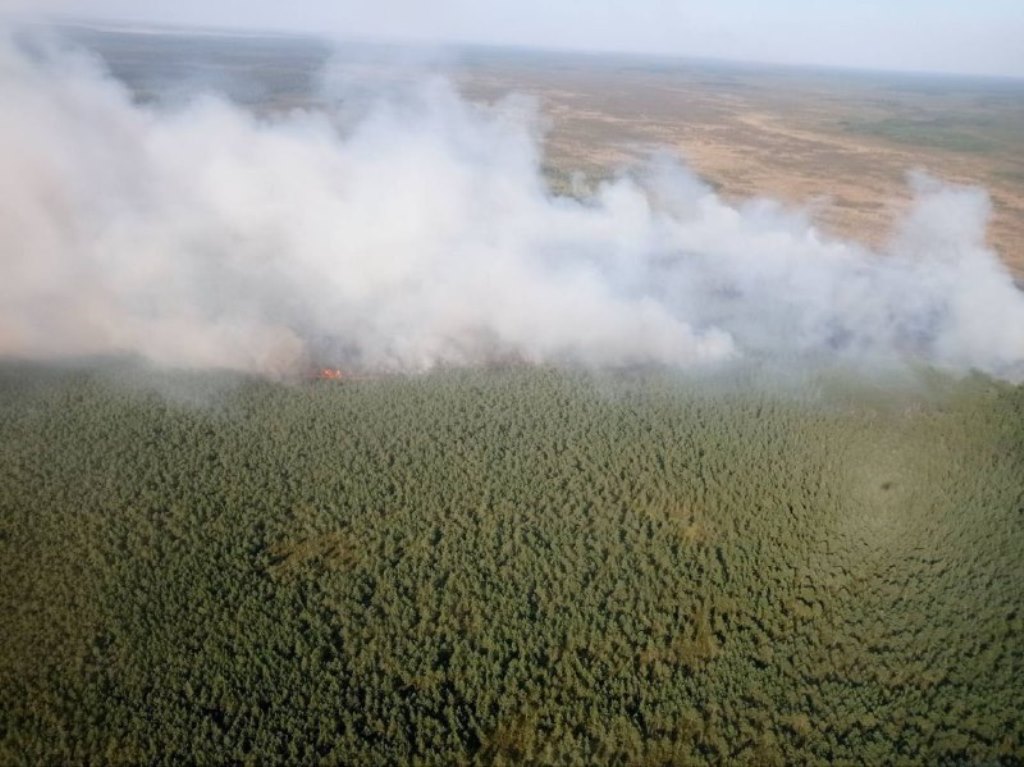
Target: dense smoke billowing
<point x="422" y="233"/>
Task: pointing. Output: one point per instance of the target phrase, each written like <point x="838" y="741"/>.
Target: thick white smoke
<point x="423" y="233"/>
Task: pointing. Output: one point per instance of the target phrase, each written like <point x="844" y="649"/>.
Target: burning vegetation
<point x="340" y="374"/>
<point x="332" y="374"/>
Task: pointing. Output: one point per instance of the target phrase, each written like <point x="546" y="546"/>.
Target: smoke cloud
<point x="421" y="232"/>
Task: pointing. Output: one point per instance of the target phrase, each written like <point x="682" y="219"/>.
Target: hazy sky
<point x="971" y="36"/>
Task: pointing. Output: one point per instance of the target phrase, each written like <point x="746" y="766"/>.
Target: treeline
<point x="508" y="566"/>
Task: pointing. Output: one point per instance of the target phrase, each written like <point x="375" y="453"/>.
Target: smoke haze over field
<point x="422" y="233"/>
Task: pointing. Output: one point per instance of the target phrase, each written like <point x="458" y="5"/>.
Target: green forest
<point x="515" y="565"/>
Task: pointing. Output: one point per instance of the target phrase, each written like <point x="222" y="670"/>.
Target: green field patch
<point x="935" y="133"/>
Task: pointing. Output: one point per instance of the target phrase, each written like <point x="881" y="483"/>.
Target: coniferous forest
<point x="517" y="565"/>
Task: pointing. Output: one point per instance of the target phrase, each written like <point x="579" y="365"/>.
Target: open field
<point x="838" y="143"/>
<point x="835" y="142"/>
<point x="508" y="566"/>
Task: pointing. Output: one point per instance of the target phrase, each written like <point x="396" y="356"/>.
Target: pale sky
<point x="968" y="36"/>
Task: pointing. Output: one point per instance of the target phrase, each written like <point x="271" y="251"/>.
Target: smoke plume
<point x="421" y="232"/>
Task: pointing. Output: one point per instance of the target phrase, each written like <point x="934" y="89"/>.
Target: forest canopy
<point x="508" y="565"/>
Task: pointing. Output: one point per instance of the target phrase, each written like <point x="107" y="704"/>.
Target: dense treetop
<point x="517" y="565"/>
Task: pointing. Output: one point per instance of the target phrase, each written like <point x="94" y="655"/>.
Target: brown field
<point x="838" y="144"/>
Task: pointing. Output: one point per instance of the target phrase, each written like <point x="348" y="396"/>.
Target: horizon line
<point x="130" y="26"/>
